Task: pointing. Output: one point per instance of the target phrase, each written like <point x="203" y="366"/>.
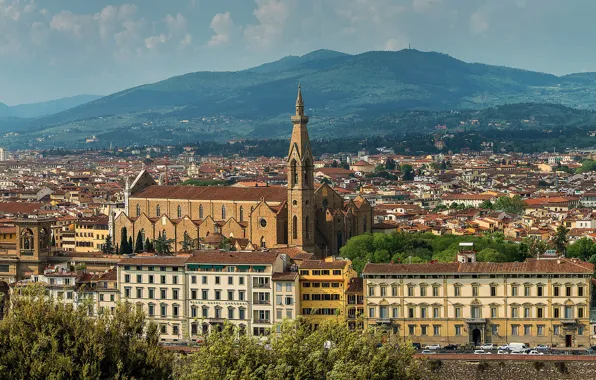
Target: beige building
<point x="542" y="301"/>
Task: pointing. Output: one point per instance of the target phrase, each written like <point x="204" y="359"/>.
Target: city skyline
<point x="54" y="49"/>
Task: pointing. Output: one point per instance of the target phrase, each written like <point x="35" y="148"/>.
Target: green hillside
<point x="339" y="90"/>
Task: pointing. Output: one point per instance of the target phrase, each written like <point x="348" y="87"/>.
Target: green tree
<point x="584" y="248"/>
<point x="163" y="245"/>
<point x="148" y="245"/>
<point x="491" y="255"/>
<point x="139" y="243"/>
<point x="487" y="204"/>
<point x="532" y="247"/>
<point x="407" y="172"/>
<point x="107" y="247"/>
<point x="512" y="205"/>
<point x="123" y="241"/>
<point x="390" y="164"/>
<point x="53" y="240"/>
<point x="41" y="338"/>
<point x="129" y="246"/>
<point x="587" y="166"/>
<point x="560" y="239"/>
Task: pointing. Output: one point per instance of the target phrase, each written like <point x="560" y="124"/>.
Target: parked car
<point x="503" y="347"/>
<point x="517" y="346"/>
<point x="517" y="352"/>
<point x="428" y="352"/>
<point x="481" y="352"/>
<point x="542" y="347"/>
<point x="488" y="346"/>
<point x="535" y="352"/>
<point x="450" y="347"/>
<point x="433" y="347"/>
<point x="417" y="346"/>
<point x="502" y="352"/>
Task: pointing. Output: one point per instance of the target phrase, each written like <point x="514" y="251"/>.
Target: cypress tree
<point x="123" y="242"/>
<point x="148" y="246"/>
<point x="129" y="245"/>
<point x="139" y="243"/>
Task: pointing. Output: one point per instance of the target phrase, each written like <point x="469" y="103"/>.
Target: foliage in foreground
<point x="298" y="352"/>
<point x="41" y="338"/>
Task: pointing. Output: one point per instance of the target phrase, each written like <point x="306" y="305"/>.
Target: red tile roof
<point x="219" y="257"/>
<point x="272" y="193"/>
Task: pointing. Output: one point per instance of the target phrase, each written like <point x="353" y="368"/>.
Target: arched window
<point x="143" y="237"/>
<point x="158" y="210"/>
<point x="163" y="234"/>
<point x="241" y="213"/>
<point x="179" y="212"/>
<point x="295" y="227"/>
<point x="223" y="212"/>
<point x="138" y="210"/>
<point x="306" y="226"/>
<point x="294" y="169"/>
<point x="200" y="211"/>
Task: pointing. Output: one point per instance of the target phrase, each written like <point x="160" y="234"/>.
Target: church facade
<point x="311" y="218"/>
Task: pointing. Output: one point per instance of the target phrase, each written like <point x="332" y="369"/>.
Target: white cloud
<point x="272" y="15"/>
<point x="398" y="43"/>
<point x="223" y="27"/>
<point x="479" y="22"/>
<point x="154" y="42"/>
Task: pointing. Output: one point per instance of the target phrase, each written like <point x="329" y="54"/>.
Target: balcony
<point x="261" y="321"/>
<point x="262" y="302"/>
<point x="383" y="321"/>
<point x="568" y="321"/>
<point x="261" y="285"/>
<point x="475" y="321"/>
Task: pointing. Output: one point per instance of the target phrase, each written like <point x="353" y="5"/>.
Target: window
<point x="230" y="295"/>
<point x="126" y="278"/>
<point x="127" y="292"/>
<point x="568" y="312"/>
<point x="383" y="291"/>
<point x="457" y="312"/>
<point x="193" y="294"/>
<point x="205" y="312"/>
<point x="241" y="294"/>
<point x="557" y="330"/>
<point x="179" y="212"/>
<point x="458" y="330"/>
<point x="539" y="312"/>
<point x="138" y="210"/>
<point x="514" y="330"/>
<point x="580" y="291"/>
<point x="200" y="211"/>
<point x="422" y="291"/>
<point x="423" y="330"/>
<point x="540" y="291"/>
<point x="175" y="310"/>
<point x="540" y="330"/>
<point x="527" y="291"/>
<point x="395" y="313"/>
<point x="163" y="329"/>
<point x="230" y="313"/>
<point x="494" y="329"/>
<point x="163" y="279"/>
<point x="175" y="330"/>
<point x="493" y="291"/>
<point x="158" y="210"/>
<point x="223" y="212"/>
<point x="371" y="312"/>
<point x="337" y="272"/>
<point x="241" y="313"/>
<point x="139" y="292"/>
<point x="556" y="312"/>
<point x="436" y="330"/>
<point x="151" y="310"/>
<point x="580" y="312"/>
<point x="555" y="291"/>
<point x="410" y="291"/>
<point x="204" y="280"/>
<point x="410" y="312"/>
<point x="494" y="312"/>
<point x="514" y="312"/>
<point x="527" y="330"/>
<point x="475" y="312"/>
<point x="411" y="329"/>
<point x="175" y="294"/>
<point x="527" y="313"/>
<point x="475" y="291"/>
<point x="150" y="277"/>
<point x="241" y="281"/>
<point x="295" y="227"/>
<point x="394" y="291"/>
<point x="218" y="294"/>
<point x="423" y="312"/>
<point x="580" y="330"/>
<point x="371" y="291"/>
<point x="436" y="312"/>
<point x="457" y="290"/>
<point x="204" y="294"/>
<point x="435" y="291"/>
<point x="163" y="293"/>
<point x="164" y="310"/>
<point x="513" y="290"/>
<point x="568" y="291"/>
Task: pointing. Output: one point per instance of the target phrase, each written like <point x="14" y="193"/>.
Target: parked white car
<point x="428" y="352"/>
<point x="481" y="352"/>
<point x="432" y="347"/>
<point x="488" y="346"/>
<point x="535" y="352"/>
<point x="504" y="347"/>
<point x="502" y="352"/>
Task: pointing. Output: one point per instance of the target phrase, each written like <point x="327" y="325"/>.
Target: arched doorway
<point x="476" y="337"/>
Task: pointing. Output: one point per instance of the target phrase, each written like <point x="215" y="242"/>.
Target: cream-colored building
<point x="286" y="293"/>
<point x="543" y="301"/>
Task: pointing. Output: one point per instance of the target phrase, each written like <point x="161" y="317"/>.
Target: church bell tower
<point x="301" y="193"/>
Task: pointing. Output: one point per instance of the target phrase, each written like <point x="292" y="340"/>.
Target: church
<point x="304" y="215"/>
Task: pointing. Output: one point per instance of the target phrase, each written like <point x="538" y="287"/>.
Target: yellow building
<point x="543" y="301"/>
<point x="8" y="234"/>
<point x="90" y="233"/>
<point x="323" y="285"/>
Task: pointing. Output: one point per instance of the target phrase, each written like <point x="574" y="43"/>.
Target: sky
<point x="51" y="49"/>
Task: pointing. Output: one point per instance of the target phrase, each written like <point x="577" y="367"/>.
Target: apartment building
<point x="108" y="294"/>
<point x="543" y="301"/>
<point x="286" y="287"/>
<point x="157" y="284"/>
<point x="91" y="233"/>
<point x="234" y="286"/>
<point x="323" y="284"/>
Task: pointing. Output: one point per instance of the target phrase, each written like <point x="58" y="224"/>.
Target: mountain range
<point x="340" y="90"/>
<point x="34" y="110"/>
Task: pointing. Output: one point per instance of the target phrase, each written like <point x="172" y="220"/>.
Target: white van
<point x="517" y="346"/>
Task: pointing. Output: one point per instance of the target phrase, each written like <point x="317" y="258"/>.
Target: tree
<point x="390" y="164"/>
<point x="332" y="351"/>
<point x="107" y="247"/>
<point x="511" y="205"/>
<point x="584" y="248"/>
<point x="53" y="240"/>
<point x="407" y="172"/>
<point x="123" y="241"/>
<point x="129" y="246"/>
<point x="491" y="255"/>
<point x="560" y="238"/>
<point x="532" y="247"/>
<point x="139" y="243"/>
<point x="163" y="246"/>
<point x="148" y="245"/>
<point x="41" y="338"/>
<point x="487" y="204"/>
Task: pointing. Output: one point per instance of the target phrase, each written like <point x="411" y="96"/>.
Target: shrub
<point x="561" y="367"/>
<point x="538" y="365"/>
<point x="435" y="365"/>
<point x="483" y="366"/>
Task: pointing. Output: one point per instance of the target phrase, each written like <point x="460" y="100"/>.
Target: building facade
<point x="542" y="301"/>
<point x="316" y="220"/>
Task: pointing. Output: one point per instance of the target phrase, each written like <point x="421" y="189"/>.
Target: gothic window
<point x="223" y="212"/>
<point x="200" y="211"/>
<point x="241" y="213"/>
<point x="138" y="210"/>
<point x="158" y="210"/>
<point x="179" y="212"/>
<point x="294" y="174"/>
<point x="306" y="227"/>
<point x="263" y="243"/>
<point x="295" y="227"/>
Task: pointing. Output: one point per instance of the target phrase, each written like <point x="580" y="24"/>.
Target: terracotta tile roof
<point x="20" y="207"/>
<point x="155" y="260"/>
<point x="270" y="194"/>
<point x="528" y="266"/>
<point x="284" y="276"/>
<point x="321" y="264"/>
<point x="356" y="285"/>
<point x="110" y="275"/>
<point x="220" y="257"/>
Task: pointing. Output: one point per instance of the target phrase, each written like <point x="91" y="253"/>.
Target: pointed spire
<point x="299" y="102"/>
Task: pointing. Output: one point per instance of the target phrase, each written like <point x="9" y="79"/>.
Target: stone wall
<point x="495" y="368"/>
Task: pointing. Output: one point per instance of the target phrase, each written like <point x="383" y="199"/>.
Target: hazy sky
<point x="55" y="48"/>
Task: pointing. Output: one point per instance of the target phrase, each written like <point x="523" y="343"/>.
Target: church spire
<point x="299" y="103"/>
